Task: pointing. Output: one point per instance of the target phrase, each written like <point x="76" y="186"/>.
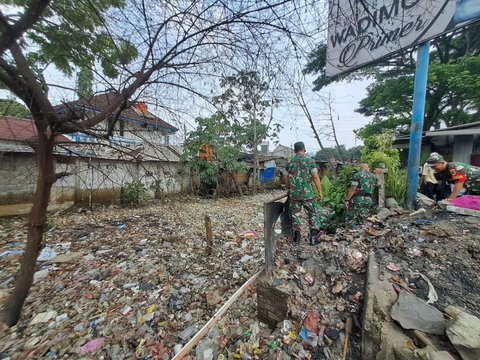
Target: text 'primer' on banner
<point x="363" y="31"/>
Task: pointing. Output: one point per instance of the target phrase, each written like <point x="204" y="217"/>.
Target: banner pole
<point x="416" y="128"/>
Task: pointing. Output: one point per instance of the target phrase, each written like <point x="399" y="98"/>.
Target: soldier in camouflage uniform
<point x="464" y="176"/>
<point x="301" y="171"/>
<point x="359" y="201"/>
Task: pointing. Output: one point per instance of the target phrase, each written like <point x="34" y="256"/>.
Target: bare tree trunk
<point x="340" y="151"/>
<point x="307" y="113"/>
<point x="37" y="223"/>
<point x="330" y="113"/>
<point x="239" y="189"/>
<point x="255" y="168"/>
<point x="255" y="151"/>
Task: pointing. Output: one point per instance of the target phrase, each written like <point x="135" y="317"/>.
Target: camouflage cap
<point x="298" y="146"/>
<point x="434" y="159"/>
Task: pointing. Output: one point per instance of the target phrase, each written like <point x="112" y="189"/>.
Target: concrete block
<point x="463" y="211"/>
<point x="382" y="339"/>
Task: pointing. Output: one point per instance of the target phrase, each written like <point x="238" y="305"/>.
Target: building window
<point x="167" y="140"/>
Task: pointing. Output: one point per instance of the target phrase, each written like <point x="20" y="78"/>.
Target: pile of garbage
<point x="323" y="286"/>
<point x="123" y="282"/>
<point x="429" y="261"/>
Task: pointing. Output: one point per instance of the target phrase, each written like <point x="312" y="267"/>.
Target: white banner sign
<point x="363" y="31"/>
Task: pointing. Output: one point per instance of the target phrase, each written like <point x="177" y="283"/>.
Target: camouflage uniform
<point x="300" y="170"/>
<point x="468" y="174"/>
<point x="361" y="205"/>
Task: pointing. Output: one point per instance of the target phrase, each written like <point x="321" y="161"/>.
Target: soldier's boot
<point x="315" y="236"/>
<point x="296" y="236"/>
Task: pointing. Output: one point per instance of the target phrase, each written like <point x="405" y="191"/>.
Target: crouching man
<point x="463" y="176"/>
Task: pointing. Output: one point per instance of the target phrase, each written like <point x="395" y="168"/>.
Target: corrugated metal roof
<point x="464" y="129"/>
<point x="456" y="132"/>
<point x="475" y="124"/>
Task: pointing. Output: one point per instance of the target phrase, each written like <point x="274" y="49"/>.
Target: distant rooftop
<point x="135" y="111"/>
<point x="21" y="130"/>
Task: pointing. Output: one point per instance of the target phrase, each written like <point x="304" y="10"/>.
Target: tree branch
<point x="11" y="33"/>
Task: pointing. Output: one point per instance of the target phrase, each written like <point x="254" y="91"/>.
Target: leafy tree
<point x="138" y="43"/>
<point x="244" y="101"/>
<point x="342" y="154"/>
<point x="219" y="133"/>
<point x="452" y="97"/>
<point x="452" y="93"/>
<point x="85" y="83"/>
<point x="12" y="108"/>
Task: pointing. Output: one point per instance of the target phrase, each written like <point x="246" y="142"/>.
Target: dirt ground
<point x="443" y="246"/>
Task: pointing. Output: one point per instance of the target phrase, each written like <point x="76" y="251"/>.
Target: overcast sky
<point x="345" y="99"/>
<point x="344" y="96"/>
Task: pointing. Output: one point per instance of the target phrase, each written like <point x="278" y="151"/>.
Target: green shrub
<point x="335" y="191"/>
<point x="396" y="185"/>
<point x="134" y="193"/>
<point x="378" y="152"/>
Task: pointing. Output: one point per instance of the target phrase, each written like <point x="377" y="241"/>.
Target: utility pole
<point x="416" y="128"/>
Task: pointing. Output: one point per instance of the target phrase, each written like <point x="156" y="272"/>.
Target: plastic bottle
<point x="97" y="322"/>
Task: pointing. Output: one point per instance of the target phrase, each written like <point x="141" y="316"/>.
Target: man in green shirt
<point x="301" y="171"/>
<point x="359" y="201"/>
<point x="463" y="176"/>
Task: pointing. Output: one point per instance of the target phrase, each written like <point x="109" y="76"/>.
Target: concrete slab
<point x="382" y="339"/>
<point x="463" y="211"/>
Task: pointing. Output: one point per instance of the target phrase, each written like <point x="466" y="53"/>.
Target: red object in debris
<point x="312" y="321"/>
<point x="159" y="351"/>
<point x="392" y="267"/>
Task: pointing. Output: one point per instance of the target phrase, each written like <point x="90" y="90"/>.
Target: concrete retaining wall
<point x="382" y="339"/>
<point x="90" y="180"/>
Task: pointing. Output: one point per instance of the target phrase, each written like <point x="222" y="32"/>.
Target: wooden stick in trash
<point x="423" y="338"/>
<point x="209" y="233"/>
<point x="348" y="331"/>
<point x="203" y="331"/>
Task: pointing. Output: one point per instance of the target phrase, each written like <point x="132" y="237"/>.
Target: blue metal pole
<point x="416" y="128"/>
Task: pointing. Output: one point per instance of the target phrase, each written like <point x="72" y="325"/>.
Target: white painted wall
<point x="462" y="148"/>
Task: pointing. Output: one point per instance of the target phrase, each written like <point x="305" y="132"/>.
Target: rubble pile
<point x="136" y="283"/>
<point x="121" y="282"/>
<point x="324" y="287"/>
<point x="433" y="250"/>
<point x="427" y="261"/>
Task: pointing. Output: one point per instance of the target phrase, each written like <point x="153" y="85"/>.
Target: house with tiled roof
<point x="132" y="146"/>
<point x="20" y="135"/>
<point x="134" y="125"/>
